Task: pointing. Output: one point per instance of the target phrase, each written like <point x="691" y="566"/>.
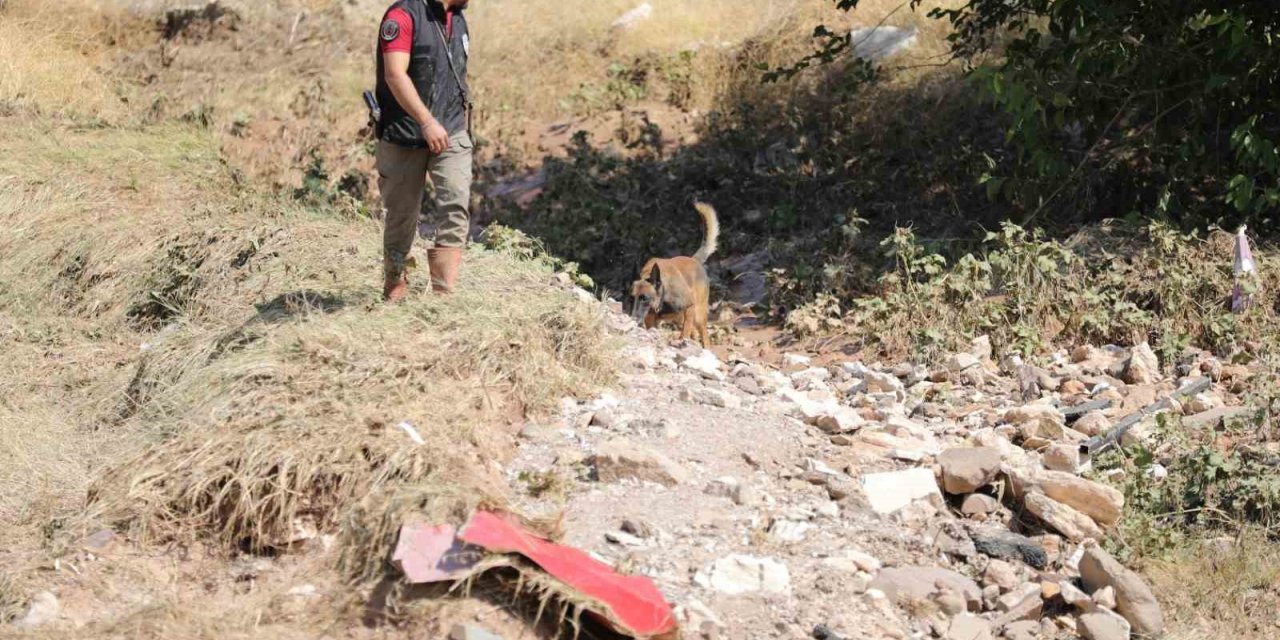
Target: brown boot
<point x="444" y="263"/>
<point x="395" y="282"/>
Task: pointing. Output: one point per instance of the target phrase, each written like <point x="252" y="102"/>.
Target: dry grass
<point x="1232" y="593"/>
<point x="205" y="361"/>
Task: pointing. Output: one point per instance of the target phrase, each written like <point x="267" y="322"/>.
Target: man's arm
<point x="397" y="72"/>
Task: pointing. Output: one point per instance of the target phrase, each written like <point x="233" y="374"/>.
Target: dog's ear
<point x="651" y="272"/>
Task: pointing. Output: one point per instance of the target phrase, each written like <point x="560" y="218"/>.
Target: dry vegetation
<point x="187" y="351"/>
<point x="185" y="356"/>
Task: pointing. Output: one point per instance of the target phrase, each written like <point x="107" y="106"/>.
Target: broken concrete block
<point x="740" y="573"/>
<point x="891" y="491"/>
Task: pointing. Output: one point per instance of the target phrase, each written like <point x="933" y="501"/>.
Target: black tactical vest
<point x="430" y="73"/>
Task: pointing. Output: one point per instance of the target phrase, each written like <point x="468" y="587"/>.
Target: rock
<point x="1022" y="630"/>
<point x="883" y="383"/>
<point x="1073" y="595"/>
<point x="1073" y="387"/>
<point x="969" y="469"/>
<point x="1103" y="625"/>
<point x="839" y="420"/>
<point x="979" y="504"/>
<point x="1202" y="402"/>
<point x="1098" y="501"/>
<point x="472" y="632"/>
<point x="44" y="609"/>
<point x="1037" y="422"/>
<point x="891" y="491"/>
<point x="620" y="460"/>
<point x="1105" y="597"/>
<point x="747" y="496"/>
<point x="1018" y="598"/>
<point x="1134" y="599"/>
<point x="810" y="376"/>
<point x="789" y="530"/>
<point x="705" y="364"/>
<point x="1093" y="423"/>
<point x="1008" y="545"/>
<point x="796" y="360"/>
<point x="920" y="583"/>
<point x="1070" y="523"/>
<point x="950" y="603"/>
<point x="1063" y="457"/>
<point x="712" y="397"/>
<point x="604" y="418"/>
<point x="1001" y="574"/>
<point x="980" y="347"/>
<point x="1142" y="367"/>
<point x="637" y="528"/>
<point x="967" y="626"/>
<point x="739" y="573"/>
<point x="98" y="543"/>
<point x="748" y="384"/>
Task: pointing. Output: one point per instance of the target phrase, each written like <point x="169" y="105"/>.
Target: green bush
<point x="1119" y="107"/>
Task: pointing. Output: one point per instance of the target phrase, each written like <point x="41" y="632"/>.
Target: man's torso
<point x="438" y="43"/>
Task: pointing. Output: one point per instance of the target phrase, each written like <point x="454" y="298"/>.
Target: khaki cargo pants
<point x="402" y="176"/>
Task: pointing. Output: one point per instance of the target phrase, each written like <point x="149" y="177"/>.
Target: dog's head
<point x="646" y="292"/>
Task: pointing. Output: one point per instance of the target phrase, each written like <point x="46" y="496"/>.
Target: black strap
<point x="448" y="53"/>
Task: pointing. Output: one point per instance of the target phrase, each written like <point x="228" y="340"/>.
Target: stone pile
<point x="987" y="465"/>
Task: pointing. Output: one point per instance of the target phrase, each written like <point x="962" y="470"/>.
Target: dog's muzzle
<point x="638" y="311"/>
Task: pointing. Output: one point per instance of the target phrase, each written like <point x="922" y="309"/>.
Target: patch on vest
<point x="466" y="44"/>
<point x="390" y="30"/>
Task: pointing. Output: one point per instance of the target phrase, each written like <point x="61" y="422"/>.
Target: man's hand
<point x="435" y="135"/>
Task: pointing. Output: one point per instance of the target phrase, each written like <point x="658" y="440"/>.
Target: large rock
<point x="967" y="626"/>
<point x="620" y="460"/>
<point x="1098" y="501"/>
<point x="1143" y="367"/>
<point x="1134" y="599"/>
<point x="1103" y="625"/>
<point x="921" y="583"/>
<point x="1063" y="457"/>
<point x="712" y="397"/>
<point x="1071" y="523"/>
<point x="739" y="573"/>
<point x="891" y="491"/>
<point x="969" y="469"/>
<point x="1093" y="423"/>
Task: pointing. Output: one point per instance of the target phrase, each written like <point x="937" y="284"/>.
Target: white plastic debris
<point x="634" y="17"/>
<point x="412" y="432"/>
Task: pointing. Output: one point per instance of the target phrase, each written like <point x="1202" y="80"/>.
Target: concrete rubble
<point x="983" y="496"/>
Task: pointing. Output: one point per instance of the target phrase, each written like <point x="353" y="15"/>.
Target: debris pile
<point x="979" y="473"/>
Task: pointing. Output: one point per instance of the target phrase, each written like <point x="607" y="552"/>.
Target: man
<point x="423" y="46"/>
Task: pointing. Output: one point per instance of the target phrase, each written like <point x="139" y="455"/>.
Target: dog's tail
<point x="711" y="231"/>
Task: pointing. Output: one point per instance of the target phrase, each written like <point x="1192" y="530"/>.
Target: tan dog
<point x="677" y="289"/>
